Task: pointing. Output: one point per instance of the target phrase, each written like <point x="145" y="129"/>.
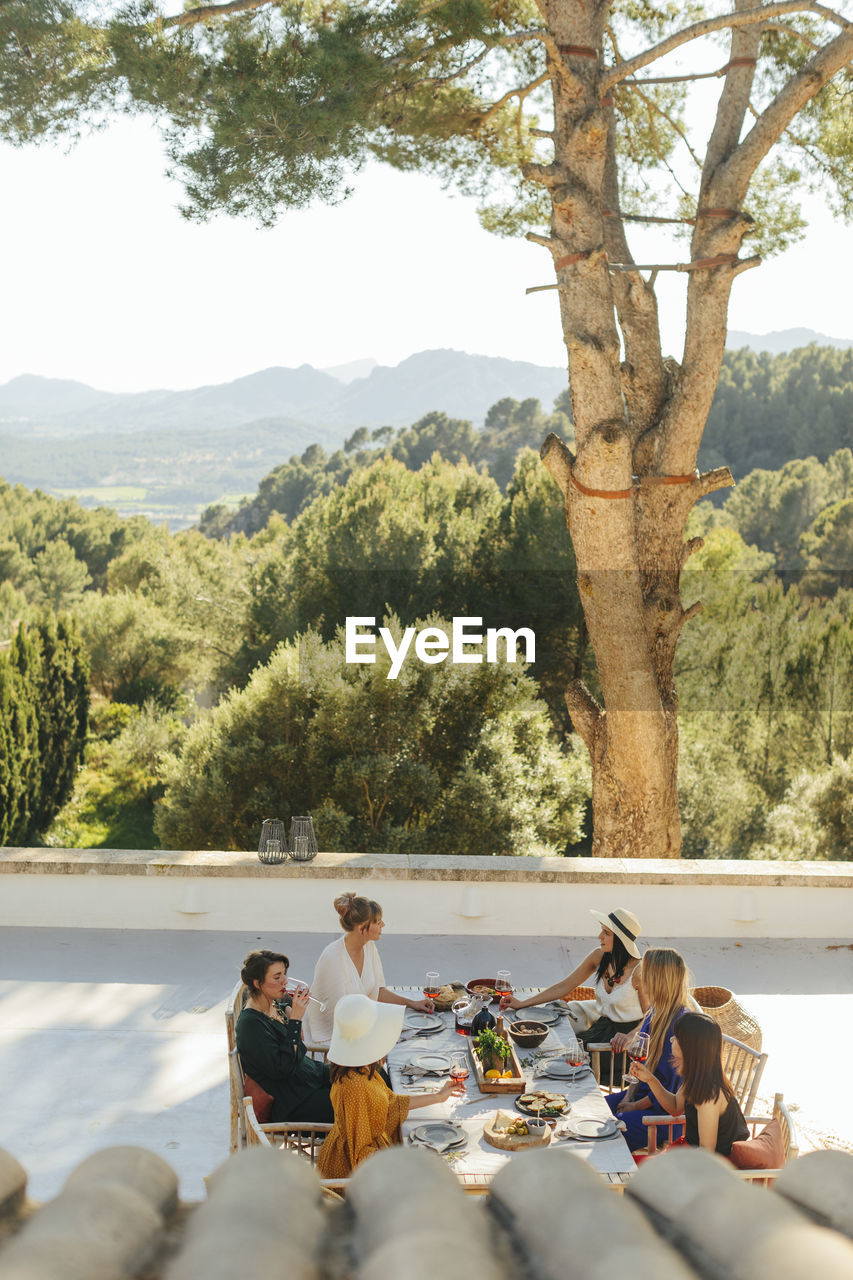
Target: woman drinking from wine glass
<point x="351" y="966"/>
<point x="368" y="1114"/>
<point x="614" y="965"/>
<point x="712" y="1117"/>
<point x="666" y="981"/>
<point x="269" y="1041"/>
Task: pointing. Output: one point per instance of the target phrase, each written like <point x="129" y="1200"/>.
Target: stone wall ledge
<point x="356" y="866"/>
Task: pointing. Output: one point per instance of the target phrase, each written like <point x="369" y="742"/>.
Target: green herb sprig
<point x="488" y="1042"/>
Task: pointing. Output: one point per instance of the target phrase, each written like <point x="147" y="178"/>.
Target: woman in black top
<point x="713" y="1119"/>
<point x="269" y="1041"/>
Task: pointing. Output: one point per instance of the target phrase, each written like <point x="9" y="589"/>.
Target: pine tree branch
<point x="192" y="17"/>
<point x="521" y="93"/>
<point x="787" y="30"/>
<point x="776" y="117"/>
<point x="708" y="25"/>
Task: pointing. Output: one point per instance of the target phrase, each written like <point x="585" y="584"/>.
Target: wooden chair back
<point x="766" y="1177"/>
<point x="744" y="1068"/>
<point x="237" y="1123"/>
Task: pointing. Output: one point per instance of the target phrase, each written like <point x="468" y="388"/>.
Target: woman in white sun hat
<point x="368" y="1114"/>
<point x="620" y="1000"/>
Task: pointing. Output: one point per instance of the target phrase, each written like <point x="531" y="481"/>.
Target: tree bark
<point x="631" y="486"/>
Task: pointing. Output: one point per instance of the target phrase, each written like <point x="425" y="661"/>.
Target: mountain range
<point x="464" y="386"/>
<point x="308" y="404"/>
<point x="169" y="454"/>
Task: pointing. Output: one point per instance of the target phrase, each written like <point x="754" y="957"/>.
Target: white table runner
<point x="480" y="1160"/>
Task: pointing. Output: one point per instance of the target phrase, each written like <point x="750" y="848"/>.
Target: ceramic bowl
<point x="526" y="1033"/>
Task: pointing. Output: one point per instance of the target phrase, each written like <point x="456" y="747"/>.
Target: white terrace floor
<point x="110" y="1036"/>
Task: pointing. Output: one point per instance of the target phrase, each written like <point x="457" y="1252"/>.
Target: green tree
<point x="440" y="760"/>
<point x="556" y="116"/>
<point x="137" y="651"/>
<point x="815" y="817"/>
<point x="827" y="549"/>
<point x="44" y="699"/>
<point x="389" y="537"/>
<point x="59" y="578"/>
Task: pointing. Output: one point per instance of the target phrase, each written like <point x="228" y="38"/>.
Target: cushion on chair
<point x="765" y="1151"/>
<point x="261" y="1100"/>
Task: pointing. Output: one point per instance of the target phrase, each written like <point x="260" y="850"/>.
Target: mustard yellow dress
<point x="367" y="1118"/>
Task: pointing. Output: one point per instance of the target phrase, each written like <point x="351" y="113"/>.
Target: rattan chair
<point x="237" y="1123"/>
<point x="744" y="1068"/>
<point x="301" y="1138"/>
<point x="597" y="1051"/>
<point x="765" y="1177"/>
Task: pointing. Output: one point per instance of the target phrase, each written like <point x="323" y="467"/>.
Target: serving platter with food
<point x="511" y="1133"/>
<point x="542" y="1104"/>
<point x="484" y="987"/>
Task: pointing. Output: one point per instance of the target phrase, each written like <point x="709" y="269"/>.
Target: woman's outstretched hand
<point x="422" y="1006"/>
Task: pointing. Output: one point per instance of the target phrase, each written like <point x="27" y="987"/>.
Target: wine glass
<point x="503" y="986"/>
<point x="576" y="1055"/>
<point x="459" y="1068"/>
<point x="293" y="984"/>
<point x="431" y="987"/>
<point x="638" y="1051"/>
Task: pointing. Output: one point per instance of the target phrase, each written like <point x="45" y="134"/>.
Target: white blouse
<point x="335" y="975"/>
<point x="622" y="1004"/>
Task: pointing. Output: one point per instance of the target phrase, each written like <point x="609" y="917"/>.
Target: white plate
<point x="423" y="1023"/>
<point x="431" y="1062"/>
<point x="559" y="1069"/>
<point x="541" y="1013"/>
<point x="591" y="1128"/>
<point x="440" y="1135"/>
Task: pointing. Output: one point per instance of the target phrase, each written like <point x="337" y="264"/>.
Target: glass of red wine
<point x="431" y="986"/>
<point x="638" y="1051"/>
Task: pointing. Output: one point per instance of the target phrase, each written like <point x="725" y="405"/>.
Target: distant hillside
<point x="783" y="340"/>
<point x="452" y="382"/>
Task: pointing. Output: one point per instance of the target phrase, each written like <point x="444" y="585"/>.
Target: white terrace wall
<point x="108" y="889"/>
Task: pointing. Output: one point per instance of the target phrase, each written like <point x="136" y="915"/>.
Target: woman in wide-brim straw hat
<point x="368" y="1114"/>
<point x="620" y="1000"/>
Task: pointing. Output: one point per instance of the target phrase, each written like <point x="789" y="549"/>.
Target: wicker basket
<point x="580" y="993"/>
<point x="724" y="1007"/>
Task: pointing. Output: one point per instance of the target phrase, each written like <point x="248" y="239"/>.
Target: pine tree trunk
<point x="638" y="422"/>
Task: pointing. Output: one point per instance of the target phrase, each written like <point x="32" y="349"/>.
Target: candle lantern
<point x="272" y="846"/>
<point x="303" y="842"/>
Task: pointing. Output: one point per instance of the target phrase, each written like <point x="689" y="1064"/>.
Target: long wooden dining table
<point x="478" y="1162"/>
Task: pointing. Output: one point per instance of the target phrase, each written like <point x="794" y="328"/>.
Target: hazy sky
<point x="104" y="282"/>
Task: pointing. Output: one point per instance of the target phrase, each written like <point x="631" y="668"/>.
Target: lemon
<point x="508" y="1075"/>
<point x="493" y="1075"/>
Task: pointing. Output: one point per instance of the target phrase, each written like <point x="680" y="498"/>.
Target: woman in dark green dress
<point x="269" y="1041"/>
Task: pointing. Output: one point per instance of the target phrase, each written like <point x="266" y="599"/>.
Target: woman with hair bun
<point x="351" y="966"/>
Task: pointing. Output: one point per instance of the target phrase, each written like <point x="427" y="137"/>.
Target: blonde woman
<point x="665" y="979"/>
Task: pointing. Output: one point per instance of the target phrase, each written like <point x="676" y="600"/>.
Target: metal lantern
<point x="272" y="846"/>
<point x="303" y="842"/>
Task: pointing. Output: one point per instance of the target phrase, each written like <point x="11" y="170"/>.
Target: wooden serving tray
<point x="515" y="1084"/>
<point x="511" y="1141"/>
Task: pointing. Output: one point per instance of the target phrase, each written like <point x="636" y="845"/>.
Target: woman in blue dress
<point x="665" y="980"/>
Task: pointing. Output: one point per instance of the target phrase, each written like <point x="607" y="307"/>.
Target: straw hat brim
<point x="613" y="925"/>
